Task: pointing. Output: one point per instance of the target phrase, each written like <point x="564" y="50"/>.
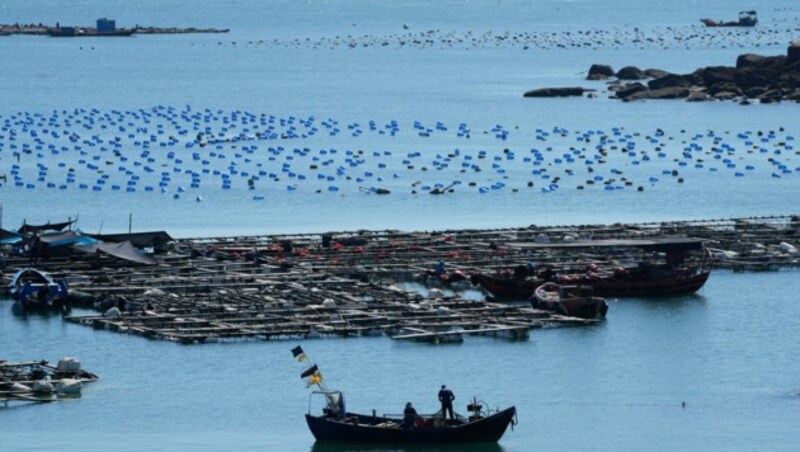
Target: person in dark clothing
<point x="409" y="416"/>
<point x="446" y="396"/>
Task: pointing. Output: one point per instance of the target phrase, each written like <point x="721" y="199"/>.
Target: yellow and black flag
<point x="298" y="353"/>
<point x="313" y="370"/>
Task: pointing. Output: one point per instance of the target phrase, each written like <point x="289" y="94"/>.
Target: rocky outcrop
<point x="767" y="79"/>
<point x="631" y="73"/>
<point x="630" y="89"/>
<point x="557" y="92"/>
<point x="672" y="92"/>
<point x="793" y="55"/>
<point x="655" y="73"/>
<point x="600" y="72"/>
<point x="668" y="81"/>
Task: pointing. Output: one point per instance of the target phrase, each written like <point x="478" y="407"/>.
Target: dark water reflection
<point x="330" y="446"/>
<point x="22" y="314"/>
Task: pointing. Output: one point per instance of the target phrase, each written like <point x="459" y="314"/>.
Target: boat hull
<point x="507" y="289"/>
<point x="646" y="288"/>
<point x="365" y="429"/>
<point x="503" y="289"/>
<point x="584" y="307"/>
<point x="34" y="289"/>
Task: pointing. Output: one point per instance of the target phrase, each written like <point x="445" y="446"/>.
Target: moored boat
<point x="506" y="288"/>
<point x="35" y="289"/>
<point x="676" y="273"/>
<point x="573" y="301"/>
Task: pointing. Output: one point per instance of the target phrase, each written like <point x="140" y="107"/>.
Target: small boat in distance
<point x="746" y="19"/>
<point x="479" y="427"/>
<point x="35" y="289"/>
<point x="573" y="301"/>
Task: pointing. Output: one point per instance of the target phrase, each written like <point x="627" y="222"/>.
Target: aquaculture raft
<point x="324" y="305"/>
<point x="346" y="283"/>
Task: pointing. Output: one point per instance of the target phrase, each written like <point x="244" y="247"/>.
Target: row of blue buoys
<point x="241" y="159"/>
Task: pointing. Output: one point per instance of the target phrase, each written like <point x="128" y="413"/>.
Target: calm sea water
<point x="727" y="352"/>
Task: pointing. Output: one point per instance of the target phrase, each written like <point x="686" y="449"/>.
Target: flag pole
<point x="316" y="376"/>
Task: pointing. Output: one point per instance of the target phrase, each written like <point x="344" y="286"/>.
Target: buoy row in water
<point x="768" y="33"/>
<point x="190" y="154"/>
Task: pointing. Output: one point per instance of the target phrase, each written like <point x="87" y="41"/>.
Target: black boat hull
<point x="507" y="289"/>
<point x="364" y="429"/>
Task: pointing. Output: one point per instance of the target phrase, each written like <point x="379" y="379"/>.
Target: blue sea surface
<point x="305" y="108"/>
<point x="727" y="352"/>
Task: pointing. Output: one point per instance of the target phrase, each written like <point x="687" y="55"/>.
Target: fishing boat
<point x="668" y="270"/>
<point x="570" y="300"/>
<point x="337" y="424"/>
<point x="746" y="19"/>
<point x="479" y="427"/>
<point x="504" y="287"/>
<point x="641" y="281"/>
<point x="35" y="289"/>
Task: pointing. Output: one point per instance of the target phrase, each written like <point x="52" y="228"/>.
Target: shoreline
<point x="80" y="31"/>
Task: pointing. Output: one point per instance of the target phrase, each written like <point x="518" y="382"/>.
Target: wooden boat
<point x="604" y="285"/>
<point x="746" y="19"/>
<point x="627" y="283"/>
<point x="34" y="289"/>
<point x="679" y="273"/>
<point x="503" y="288"/>
<point x="574" y="301"/>
<point x="360" y="428"/>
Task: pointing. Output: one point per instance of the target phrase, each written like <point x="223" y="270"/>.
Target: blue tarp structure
<point x="9" y="237"/>
<point x="55" y="239"/>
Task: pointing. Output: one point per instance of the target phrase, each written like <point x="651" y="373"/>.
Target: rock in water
<point x="600" y="72"/>
<point x="793" y="53"/>
<point x="668" y="81"/>
<point x="556" y="92"/>
<point x="630" y="89"/>
<point x="630" y="73"/>
<point x="677" y="92"/>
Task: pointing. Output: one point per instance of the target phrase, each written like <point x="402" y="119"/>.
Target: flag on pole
<point x="315" y="379"/>
<point x="298" y="353"/>
<point x="310" y="371"/>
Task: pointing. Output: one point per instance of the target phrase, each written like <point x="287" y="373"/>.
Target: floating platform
<point x="345" y="284"/>
<point x="41" y="382"/>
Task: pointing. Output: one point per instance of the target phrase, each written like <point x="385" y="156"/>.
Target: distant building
<point x="105" y="25"/>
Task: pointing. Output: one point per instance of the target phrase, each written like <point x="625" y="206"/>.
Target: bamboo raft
<point x="346" y="283"/>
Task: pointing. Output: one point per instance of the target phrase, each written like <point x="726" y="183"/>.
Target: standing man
<point x="446" y="396"/>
